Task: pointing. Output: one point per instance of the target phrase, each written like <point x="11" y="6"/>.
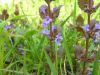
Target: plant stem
<point x="87" y="39"/>
<point x="84" y="65"/>
<point x="51" y="44"/>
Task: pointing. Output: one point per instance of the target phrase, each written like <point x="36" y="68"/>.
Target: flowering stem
<point x="87" y="39"/>
<point x="51" y="45"/>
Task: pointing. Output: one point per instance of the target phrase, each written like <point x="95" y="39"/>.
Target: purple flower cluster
<point x="46" y="21"/>
<point x="96" y="36"/>
<point x="57" y="38"/>
<point x="86" y="27"/>
<point x="53" y="34"/>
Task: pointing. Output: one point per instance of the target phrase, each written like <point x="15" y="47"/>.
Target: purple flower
<point x="46" y="21"/>
<point x="8" y="27"/>
<point x="55" y="9"/>
<point x="54" y="27"/>
<point x="97" y="26"/>
<point x="58" y="39"/>
<point x="86" y="27"/>
<point x="45" y="32"/>
<point x="96" y="35"/>
<point x="43" y="9"/>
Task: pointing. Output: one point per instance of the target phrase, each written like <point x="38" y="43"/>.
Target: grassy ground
<point x="22" y="48"/>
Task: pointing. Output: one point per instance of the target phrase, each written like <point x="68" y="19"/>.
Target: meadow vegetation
<point x="50" y="37"/>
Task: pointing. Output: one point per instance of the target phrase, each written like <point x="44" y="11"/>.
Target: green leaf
<point x="96" y="66"/>
<point x="52" y="67"/>
<point x="30" y="33"/>
<point x="75" y="10"/>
